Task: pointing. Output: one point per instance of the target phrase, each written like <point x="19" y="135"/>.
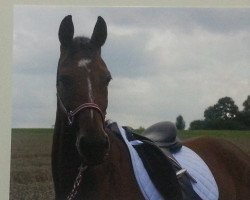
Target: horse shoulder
<point x="121" y="173"/>
<point x="114" y="179"/>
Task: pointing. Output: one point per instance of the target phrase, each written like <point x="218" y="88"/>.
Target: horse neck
<point x="114" y="179"/>
<point x="65" y="161"/>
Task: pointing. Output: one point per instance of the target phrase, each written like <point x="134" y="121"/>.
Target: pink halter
<point x="71" y="114"/>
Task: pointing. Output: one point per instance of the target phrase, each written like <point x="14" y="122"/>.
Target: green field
<point x="31" y="167"/>
<point x="30" y="164"/>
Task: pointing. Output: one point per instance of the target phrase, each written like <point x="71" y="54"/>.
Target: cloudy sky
<point x="164" y="61"/>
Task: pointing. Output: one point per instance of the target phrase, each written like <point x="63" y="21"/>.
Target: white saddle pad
<point x="206" y="186"/>
<point x="147" y="187"/>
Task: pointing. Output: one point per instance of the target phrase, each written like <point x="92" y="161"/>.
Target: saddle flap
<point x="160" y="170"/>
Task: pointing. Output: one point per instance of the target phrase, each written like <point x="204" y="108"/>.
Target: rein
<point x="71" y="114"/>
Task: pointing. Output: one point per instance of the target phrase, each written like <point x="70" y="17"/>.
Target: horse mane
<point x="80" y="43"/>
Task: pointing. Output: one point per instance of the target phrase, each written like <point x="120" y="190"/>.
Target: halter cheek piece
<point x="71" y="114"/>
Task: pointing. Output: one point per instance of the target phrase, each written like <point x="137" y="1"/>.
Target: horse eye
<point x="108" y="78"/>
<point x="66" y="81"/>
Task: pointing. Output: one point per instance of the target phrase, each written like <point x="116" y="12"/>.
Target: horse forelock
<point x="80" y="41"/>
<point x="80" y="44"/>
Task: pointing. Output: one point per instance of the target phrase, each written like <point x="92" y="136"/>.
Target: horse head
<point x="82" y="81"/>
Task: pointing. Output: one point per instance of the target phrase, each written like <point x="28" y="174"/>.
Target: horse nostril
<point x="92" y="147"/>
<point x="106" y="142"/>
<point x="83" y="145"/>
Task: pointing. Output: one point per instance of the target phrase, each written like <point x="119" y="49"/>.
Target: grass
<point x="30" y="164"/>
<point x="31" y="159"/>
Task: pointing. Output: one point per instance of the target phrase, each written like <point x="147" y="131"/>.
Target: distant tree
<point x="244" y="116"/>
<point x="140" y="130"/>
<point x="246" y="104"/>
<point x="197" y="125"/>
<point x="180" y="123"/>
<point x="225" y="115"/>
<point x="244" y="119"/>
<point x="224" y="109"/>
<point x="227" y="108"/>
<point x="211" y="113"/>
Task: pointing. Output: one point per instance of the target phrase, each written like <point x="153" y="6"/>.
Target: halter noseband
<point x="71" y="114"/>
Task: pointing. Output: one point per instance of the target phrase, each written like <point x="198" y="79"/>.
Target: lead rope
<point x="77" y="183"/>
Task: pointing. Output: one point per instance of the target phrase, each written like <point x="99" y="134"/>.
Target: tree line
<point x="226" y="115"/>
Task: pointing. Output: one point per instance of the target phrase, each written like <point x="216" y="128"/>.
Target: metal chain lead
<point x="77" y="183"/>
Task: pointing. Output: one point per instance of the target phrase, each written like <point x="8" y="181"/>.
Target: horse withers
<point x="89" y="160"/>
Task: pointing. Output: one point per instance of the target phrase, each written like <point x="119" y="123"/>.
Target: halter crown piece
<point x="71" y="114"/>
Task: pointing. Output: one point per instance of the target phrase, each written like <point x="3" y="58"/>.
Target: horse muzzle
<point x="93" y="150"/>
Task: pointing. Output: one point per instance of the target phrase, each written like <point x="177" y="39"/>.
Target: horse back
<point x="228" y="163"/>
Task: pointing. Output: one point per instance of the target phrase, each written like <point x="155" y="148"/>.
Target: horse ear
<point x="99" y="34"/>
<point x="66" y="31"/>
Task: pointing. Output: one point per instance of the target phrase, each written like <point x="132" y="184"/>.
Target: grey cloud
<point x="126" y="56"/>
<point x="164" y="61"/>
<point x="33" y="100"/>
<point x="228" y="21"/>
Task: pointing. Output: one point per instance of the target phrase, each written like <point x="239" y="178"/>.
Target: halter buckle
<point x="70" y="117"/>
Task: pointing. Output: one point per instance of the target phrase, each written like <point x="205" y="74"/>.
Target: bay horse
<point x="89" y="161"/>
